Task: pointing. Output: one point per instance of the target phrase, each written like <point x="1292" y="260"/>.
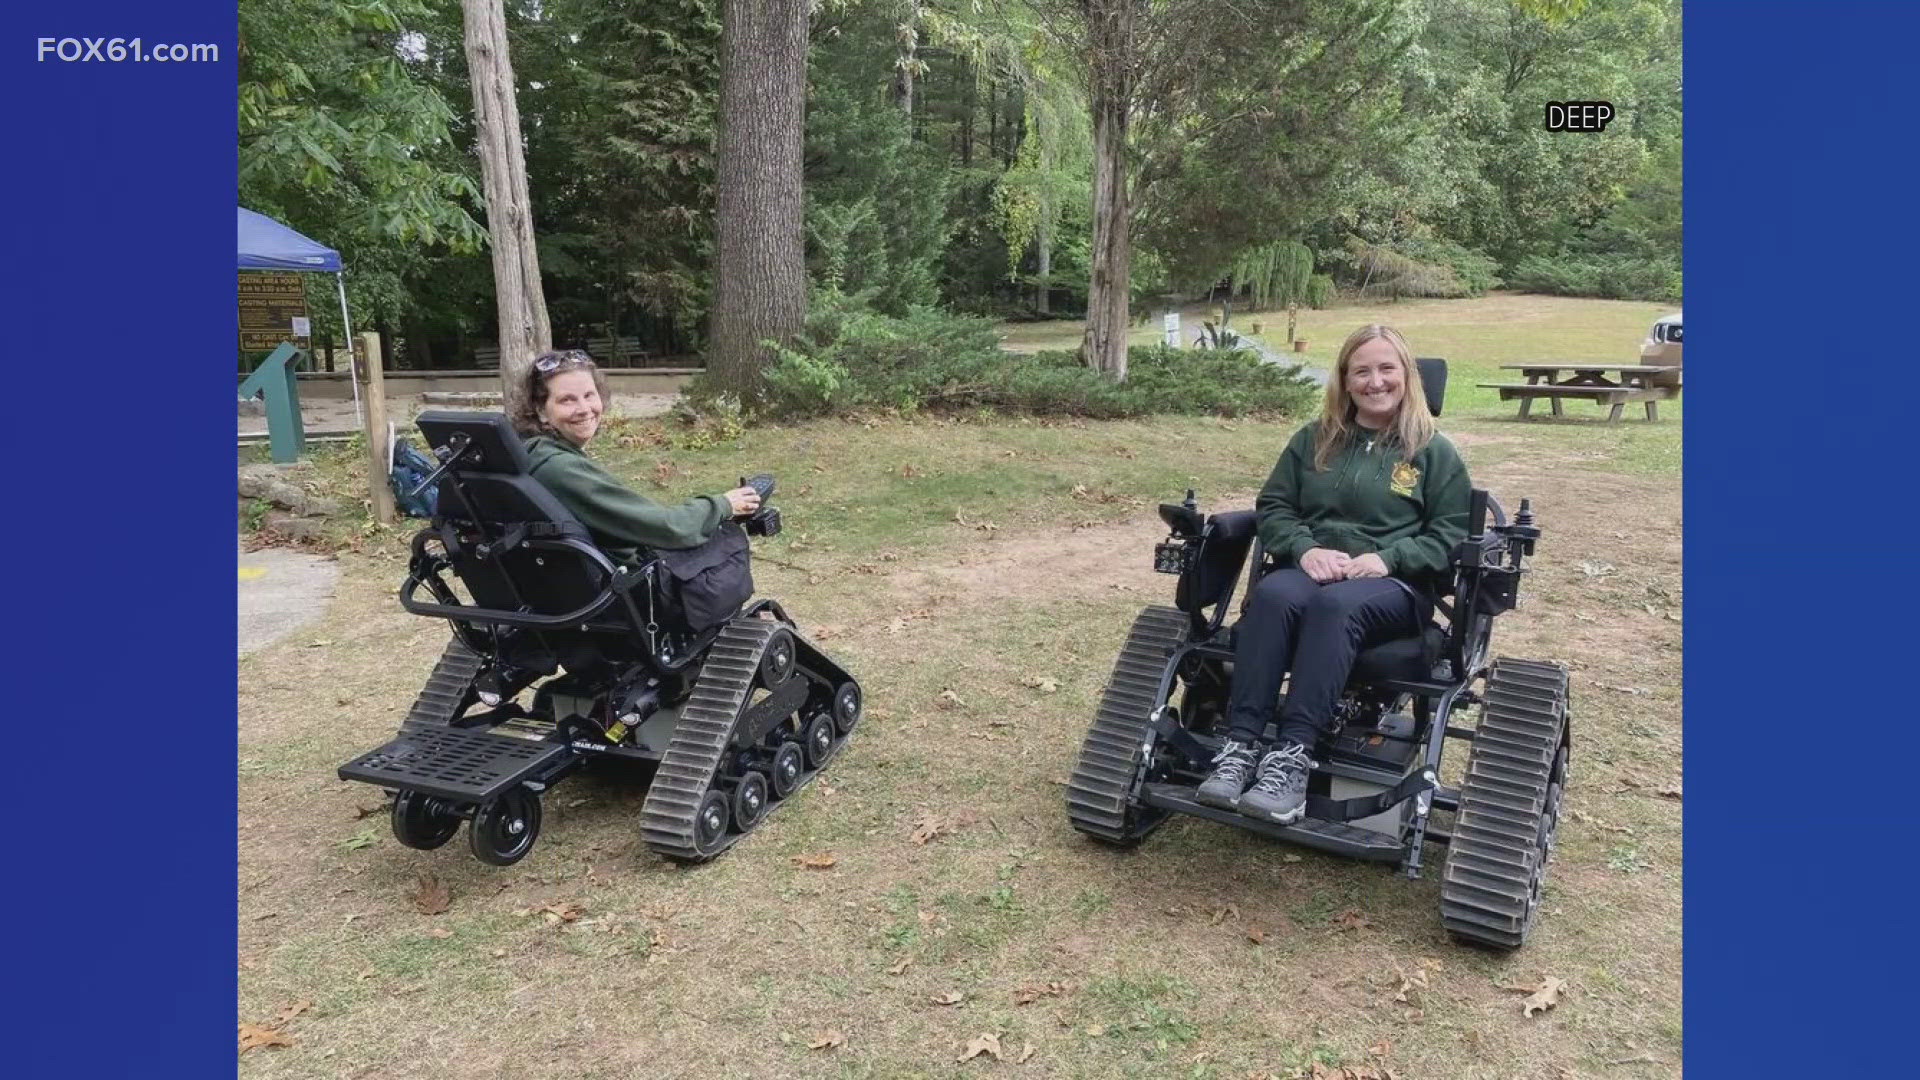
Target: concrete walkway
<point x="280" y="592"/>
<point x="1275" y="356"/>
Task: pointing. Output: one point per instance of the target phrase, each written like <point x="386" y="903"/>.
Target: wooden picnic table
<point x="1608" y="384"/>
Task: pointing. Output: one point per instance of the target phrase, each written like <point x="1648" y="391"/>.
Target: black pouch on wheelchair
<point x="709" y="582"/>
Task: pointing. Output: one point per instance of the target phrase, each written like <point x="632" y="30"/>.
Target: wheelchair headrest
<point x="1433" y="379"/>
<point x="492" y="444"/>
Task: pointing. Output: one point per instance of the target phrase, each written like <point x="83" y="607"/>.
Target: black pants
<point x="1293" y="623"/>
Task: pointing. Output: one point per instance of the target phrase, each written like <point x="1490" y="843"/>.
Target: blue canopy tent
<point x="265" y="244"/>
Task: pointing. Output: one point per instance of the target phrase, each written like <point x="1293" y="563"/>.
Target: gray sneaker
<point x="1232" y="771"/>
<point x="1280" y="794"/>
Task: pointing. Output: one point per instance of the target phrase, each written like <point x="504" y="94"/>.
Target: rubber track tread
<point x="446" y="690"/>
<point x="703" y="735"/>
<point x="1487" y="888"/>
<point x="1100" y="788"/>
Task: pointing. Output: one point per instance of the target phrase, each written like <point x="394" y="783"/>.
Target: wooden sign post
<point x="379" y="446"/>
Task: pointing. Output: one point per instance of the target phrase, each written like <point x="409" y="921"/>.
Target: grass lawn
<point x="985" y="557"/>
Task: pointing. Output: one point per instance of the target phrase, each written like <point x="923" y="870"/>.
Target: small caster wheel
<point x="819" y="740"/>
<point x="710" y="822"/>
<point x="504" y="828"/>
<point x="749" y="800"/>
<point x="846" y="706"/>
<point x="777" y="662"/>
<point x="789" y="763"/>
<point x="421" y="821"/>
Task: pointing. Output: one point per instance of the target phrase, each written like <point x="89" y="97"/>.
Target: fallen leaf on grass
<point x="1096" y="1030"/>
<point x="951" y="997"/>
<point x="932" y="827"/>
<point x="908" y="472"/>
<point x="288" y="1012"/>
<point x="950" y="700"/>
<point x="827" y="1040"/>
<point x="1032" y="992"/>
<point x="663" y="471"/>
<point x="1041" y="683"/>
<point x="366" y="811"/>
<point x="440" y="932"/>
<point x="983" y="1044"/>
<point x="320" y="644"/>
<point x="1381" y="1048"/>
<point x="363" y="839"/>
<point x="984" y="526"/>
<point x="1025" y="1053"/>
<point x="365" y="975"/>
<point x="256" y="1037"/>
<point x="899" y="968"/>
<point x="555" y="913"/>
<point x="1289" y="857"/>
<point x="1541" y="996"/>
<point x="1350" y="919"/>
<point x="820" y="861"/>
<point x="430" y="895"/>
<point x="1256" y="935"/>
<point x="1222" y="914"/>
<point x="1409" y="985"/>
<point x="1670" y="792"/>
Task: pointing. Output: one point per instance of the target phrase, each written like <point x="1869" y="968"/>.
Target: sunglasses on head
<point x="555" y="361"/>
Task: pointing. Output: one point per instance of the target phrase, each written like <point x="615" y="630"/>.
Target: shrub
<point x="849" y="359"/>
<point x="1608" y="277"/>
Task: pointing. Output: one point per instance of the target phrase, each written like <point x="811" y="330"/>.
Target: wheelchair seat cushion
<point x="1410" y="657"/>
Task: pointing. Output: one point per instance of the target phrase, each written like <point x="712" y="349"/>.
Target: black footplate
<point x="465" y="766"/>
<point x="1348" y="840"/>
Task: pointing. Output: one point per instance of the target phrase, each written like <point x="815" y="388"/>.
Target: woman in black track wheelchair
<point x="558" y="414"/>
<point x="1362" y="513"/>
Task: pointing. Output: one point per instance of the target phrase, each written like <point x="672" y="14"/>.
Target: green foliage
<point x="1319" y="291"/>
<point x="1384" y="270"/>
<point x="850" y="359"/>
<point x="1610" y="277"/>
<point x="1273" y="273"/>
<point x="876" y="198"/>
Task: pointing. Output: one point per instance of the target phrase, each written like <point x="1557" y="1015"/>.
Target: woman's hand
<point x="745" y="501"/>
<point x="1368" y="565"/>
<point x="1325" y="565"/>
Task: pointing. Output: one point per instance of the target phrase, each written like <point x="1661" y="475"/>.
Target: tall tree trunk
<point x="969" y="100"/>
<point x="522" y="306"/>
<point x="1110" y="60"/>
<point x="1043" y="240"/>
<point x="760" y="283"/>
<point x="908" y="36"/>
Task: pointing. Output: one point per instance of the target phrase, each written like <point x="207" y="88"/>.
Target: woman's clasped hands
<point x="1325" y="565"/>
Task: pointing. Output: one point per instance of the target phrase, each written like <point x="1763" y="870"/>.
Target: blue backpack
<point x="410" y="469"/>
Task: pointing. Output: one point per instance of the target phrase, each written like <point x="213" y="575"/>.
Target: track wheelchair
<point x="1378" y="787"/>
<point x="735" y="710"/>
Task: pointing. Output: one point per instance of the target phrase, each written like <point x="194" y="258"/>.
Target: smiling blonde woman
<point x="1361" y="513"/>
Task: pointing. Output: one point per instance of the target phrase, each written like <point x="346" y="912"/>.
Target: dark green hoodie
<point x="1368" y="500"/>
<point x="621" y="521"/>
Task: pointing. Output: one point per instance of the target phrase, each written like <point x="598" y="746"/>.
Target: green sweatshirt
<point x="1368" y="500"/>
<point x="621" y="521"/>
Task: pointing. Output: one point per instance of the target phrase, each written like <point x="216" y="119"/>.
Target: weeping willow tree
<point x="1052" y="170"/>
<point x="1279" y="273"/>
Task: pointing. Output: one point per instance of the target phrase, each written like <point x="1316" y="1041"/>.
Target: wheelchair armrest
<point x="1234" y="524"/>
<point x="427" y="573"/>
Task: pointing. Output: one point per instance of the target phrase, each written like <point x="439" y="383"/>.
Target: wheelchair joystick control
<point x="1189" y="502"/>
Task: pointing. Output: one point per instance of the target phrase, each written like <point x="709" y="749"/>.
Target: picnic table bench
<point x="1607" y="384"/>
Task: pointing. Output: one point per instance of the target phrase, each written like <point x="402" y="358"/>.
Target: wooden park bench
<point x="1608" y="384"/>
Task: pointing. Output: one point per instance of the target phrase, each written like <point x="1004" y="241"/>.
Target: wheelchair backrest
<point x="488" y="498"/>
<point x="1433" y="380"/>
